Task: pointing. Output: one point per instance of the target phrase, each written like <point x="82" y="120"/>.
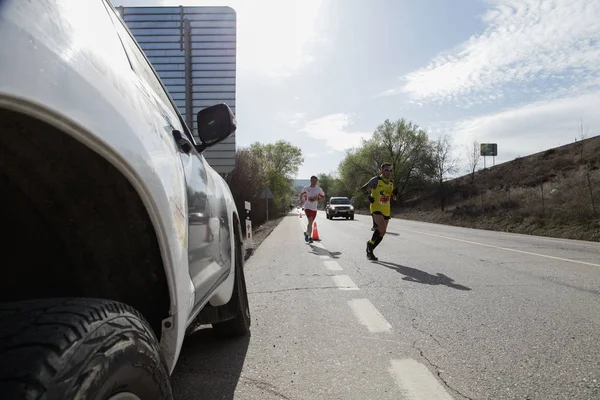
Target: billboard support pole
<point x="488" y="149"/>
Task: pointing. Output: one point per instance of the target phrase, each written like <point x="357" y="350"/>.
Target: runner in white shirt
<point x="311" y="195"/>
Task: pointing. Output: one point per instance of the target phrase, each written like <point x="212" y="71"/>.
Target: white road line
<point x="504" y="248"/>
<point x="513" y="235"/>
<point x="343" y="282"/>
<point x="332" y="265"/>
<point x="416" y="381"/>
<point x="368" y="315"/>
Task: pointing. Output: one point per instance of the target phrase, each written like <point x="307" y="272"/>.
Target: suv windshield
<point x="340" y="201"/>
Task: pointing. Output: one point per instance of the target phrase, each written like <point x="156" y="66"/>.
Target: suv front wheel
<point x="79" y="349"/>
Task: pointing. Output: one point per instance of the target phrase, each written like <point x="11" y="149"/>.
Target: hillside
<point x="554" y="193"/>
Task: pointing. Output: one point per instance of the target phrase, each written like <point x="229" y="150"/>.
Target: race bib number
<point x="384" y="200"/>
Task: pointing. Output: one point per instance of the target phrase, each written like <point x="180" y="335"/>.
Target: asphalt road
<point x="447" y="313"/>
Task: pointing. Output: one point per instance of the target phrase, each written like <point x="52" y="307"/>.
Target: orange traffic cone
<point x="315" y="232"/>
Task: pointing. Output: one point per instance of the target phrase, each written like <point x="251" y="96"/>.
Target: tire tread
<point x="39" y="340"/>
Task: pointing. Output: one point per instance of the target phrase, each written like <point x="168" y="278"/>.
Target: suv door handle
<point x="182" y="142"/>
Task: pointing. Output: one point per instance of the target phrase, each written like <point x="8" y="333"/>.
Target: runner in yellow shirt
<point x="380" y="190"/>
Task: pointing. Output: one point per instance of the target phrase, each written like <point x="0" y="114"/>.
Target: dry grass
<point x="531" y="226"/>
<point x="564" y="198"/>
<point x="544" y="194"/>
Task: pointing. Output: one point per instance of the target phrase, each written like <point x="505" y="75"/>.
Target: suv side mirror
<point x="215" y="124"/>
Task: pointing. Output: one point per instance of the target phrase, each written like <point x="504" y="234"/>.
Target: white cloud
<point x="296" y="119"/>
<point x="274" y="37"/>
<point x="333" y="129"/>
<point x="525" y="40"/>
<point x="530" y="129"/>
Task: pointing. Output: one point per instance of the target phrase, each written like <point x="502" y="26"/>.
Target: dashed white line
<point x="332" y="265"/>
<point x="368" y="315"/>
<point x="343" y="282"/>
<point x="416" y="381"/>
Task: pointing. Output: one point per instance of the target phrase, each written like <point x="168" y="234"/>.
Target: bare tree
<point x="473" y="158"/>
<point x="444" y="164"/>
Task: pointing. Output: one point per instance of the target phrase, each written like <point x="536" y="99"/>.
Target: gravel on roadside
<point x="260" y="234"/>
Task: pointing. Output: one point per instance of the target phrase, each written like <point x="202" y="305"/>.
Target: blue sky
<point x="322" y="74"/>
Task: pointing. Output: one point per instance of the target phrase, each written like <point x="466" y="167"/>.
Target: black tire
<point x="240" y="324"/>
<point x="352" y="217"/>
<point x="58" y="349"/>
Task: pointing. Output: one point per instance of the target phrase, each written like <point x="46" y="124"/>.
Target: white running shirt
<point x="311" y="192"/>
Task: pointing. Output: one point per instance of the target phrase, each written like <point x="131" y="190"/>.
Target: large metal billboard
<point x="489" y="149"/>
<point x="193" y="50"/>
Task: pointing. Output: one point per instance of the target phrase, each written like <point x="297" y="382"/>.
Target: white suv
<point x="120" y="238"/>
